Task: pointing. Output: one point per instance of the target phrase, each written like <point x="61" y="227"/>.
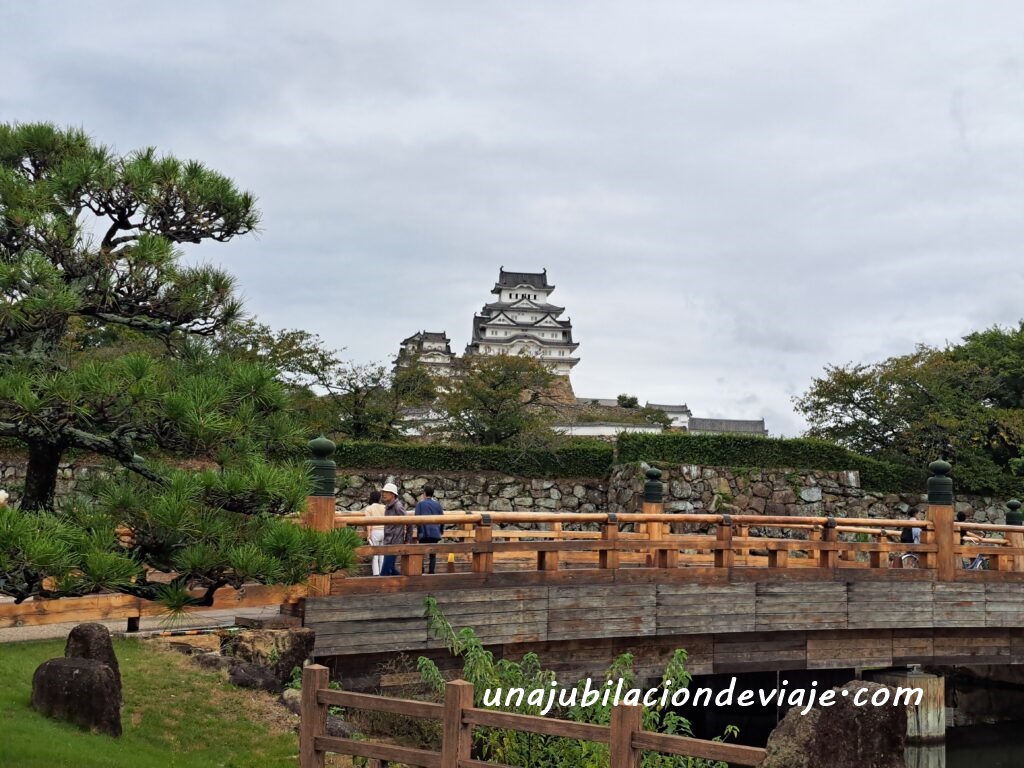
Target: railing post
<point x="940" y="513"/>
<point x="320" y="505"/>
<point x="457" y="737"/>
<point x="483" y="555"/>
<point x="653" y="505"/>
<point x="827" y="555"/>
<point x="724" y="556"/>
<point x="313" y="716"/>
<point x="1016" y="539"/>
<point x="609" y="558"/>
<point x="625" y="722"/>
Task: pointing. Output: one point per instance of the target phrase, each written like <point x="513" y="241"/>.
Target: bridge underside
<point x="740" y="620"/>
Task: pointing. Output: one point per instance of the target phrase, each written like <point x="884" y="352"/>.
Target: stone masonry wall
<point x="477" y="490"/>
<point x="686" y="489"/>
<point x="689" y="488"/>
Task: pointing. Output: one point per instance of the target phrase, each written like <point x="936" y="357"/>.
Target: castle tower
<point x="432" y="350"/>
<point x="522" y="320"/>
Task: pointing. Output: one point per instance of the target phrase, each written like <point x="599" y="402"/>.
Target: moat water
<point x="982" y="746"/>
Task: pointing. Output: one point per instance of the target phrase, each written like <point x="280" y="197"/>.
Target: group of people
<point x="386" y="503"/>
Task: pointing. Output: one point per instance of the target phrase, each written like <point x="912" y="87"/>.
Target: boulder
<point x="245" y="674"/>
<point x="841" y="735"/>
<point x="81" y="691"/>
<point x="278" y="650"/>
<point x="92" y="641"/>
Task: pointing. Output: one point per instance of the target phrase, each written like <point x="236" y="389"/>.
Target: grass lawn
<point x="174" y="714"/>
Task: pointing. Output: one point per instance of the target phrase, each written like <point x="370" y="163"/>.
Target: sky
<point x="729" y="196"/>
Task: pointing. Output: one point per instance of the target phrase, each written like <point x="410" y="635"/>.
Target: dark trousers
<point x="390" y="567"/>
<point x="433" y="557"/>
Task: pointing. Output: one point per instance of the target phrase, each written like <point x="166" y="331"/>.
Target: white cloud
<point x="728" y="195"/>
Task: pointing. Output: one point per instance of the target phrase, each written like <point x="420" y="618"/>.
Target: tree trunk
<point x="41" y="476"/>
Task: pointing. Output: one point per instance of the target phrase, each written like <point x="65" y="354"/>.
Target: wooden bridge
<point x="738" y="592"/>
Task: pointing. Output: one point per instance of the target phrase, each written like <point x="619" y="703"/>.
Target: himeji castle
<point x="521" y="319"/>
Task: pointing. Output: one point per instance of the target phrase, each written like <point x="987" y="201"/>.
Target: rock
<point x="761" y="490"/>
<point x="92" y="641"/>
<point x="213" y="660"/>
<point x="339" y="728"/>
<point x="501" y="505"/>
<point x="522" y="501"/>
<point x="680" y="489"/>
<point x="579" y="491"/>
<point x="810" y="494"/>
<point x="277" y="650"/>
<point x="245" y="674"/>
<point x="85" y="692"/>
<point x="292" y="699"/>
<point x="840" y="736"/>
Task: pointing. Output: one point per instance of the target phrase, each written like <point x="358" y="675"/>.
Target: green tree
<point x="628" y="401"/>
<point x="88" y="244"/>
<point x="328" y="393"/>
<point x="957" y="403"/>
<point x="499" y="399"/>
<point x="98" y="327"/>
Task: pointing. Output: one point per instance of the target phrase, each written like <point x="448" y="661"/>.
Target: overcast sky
<point x="727" y="195"/>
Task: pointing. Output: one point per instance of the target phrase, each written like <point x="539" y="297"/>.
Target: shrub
<point x="765" y="452"/>
<point x="578" y="458"/>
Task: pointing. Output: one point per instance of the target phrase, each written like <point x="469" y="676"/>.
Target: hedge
<point x="580" y="458"/>
<point x="754" y="451"/>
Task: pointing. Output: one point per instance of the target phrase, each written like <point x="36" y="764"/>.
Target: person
<point x="966" y="537"/>
<point x="375" y="533"/>
<point x="919" y="515"/>
<point x="430" y="533"/>
<point x="393" y="534"/>
<point x="909" y="534"/>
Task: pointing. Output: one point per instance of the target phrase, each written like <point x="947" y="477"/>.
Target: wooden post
<point x="457" y="737"/>
<point x="653" y="505"/>
<point x="547" y="560"/>
<point x="827" y="555"/>
<point x="1016" y="539"/>
<point x="743" y="531"/>
<point x="313" y="716"/>
<point x="483" y="556"/>
<point x="941" y="516"/>
<point x="625" y="722"/>
<point x="940" y="513"/>
<point x="319" y="513"/>
<point x="725" y="557"/>
<point x="609" y="558"/>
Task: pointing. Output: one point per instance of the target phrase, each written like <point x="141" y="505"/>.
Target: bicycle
<point x="905" y="560"/>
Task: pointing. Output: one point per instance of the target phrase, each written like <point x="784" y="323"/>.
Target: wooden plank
<point x="372" y="750"/>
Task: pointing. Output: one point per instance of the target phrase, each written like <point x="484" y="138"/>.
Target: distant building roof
<point x="439" y="336"/>
<point x="684" y="408"/>
<point x="607" y="402"/>
<point x="728" y="426"/>
<point x="512" y="279"/>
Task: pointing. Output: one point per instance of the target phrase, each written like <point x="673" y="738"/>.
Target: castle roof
<point x="439" y="336"/>
<point x="537" y="280"/>
<point x="524" y="304"/>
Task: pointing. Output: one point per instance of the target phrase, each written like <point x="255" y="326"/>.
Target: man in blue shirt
<point x="430" y="533"/>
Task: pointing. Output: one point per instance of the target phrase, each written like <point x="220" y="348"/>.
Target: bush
<point x="765" y="452"/>
<point x="578" y="458"/>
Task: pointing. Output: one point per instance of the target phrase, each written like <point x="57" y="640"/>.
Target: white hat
<point x="390" y="488"/>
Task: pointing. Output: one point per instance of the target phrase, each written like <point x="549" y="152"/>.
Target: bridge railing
<point x="479" y="541"/>
<point x="625" y="736"/>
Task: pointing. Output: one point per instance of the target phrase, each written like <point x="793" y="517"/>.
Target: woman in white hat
<point x="393" y="534"/>
<point x="375" y="533"/>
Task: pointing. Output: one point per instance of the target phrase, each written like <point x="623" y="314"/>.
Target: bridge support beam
<point x="927" y="721"/>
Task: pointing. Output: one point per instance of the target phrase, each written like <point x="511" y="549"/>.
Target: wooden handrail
<point x="458" y="716"/>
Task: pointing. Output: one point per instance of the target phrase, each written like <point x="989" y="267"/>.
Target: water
<point x="983" y="746"/>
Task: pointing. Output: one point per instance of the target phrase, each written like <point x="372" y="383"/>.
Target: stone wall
<point x="686" y="489"/>
<point x="693" y="489"/>
<point x="477" y="490"/>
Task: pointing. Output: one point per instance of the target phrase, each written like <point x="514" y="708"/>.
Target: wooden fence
<point x="117" y="607"/>
<point x="625" y="737"/>
<point x="478" y="540"/>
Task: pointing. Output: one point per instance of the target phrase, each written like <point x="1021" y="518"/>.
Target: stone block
<point x="80" y="691"/>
